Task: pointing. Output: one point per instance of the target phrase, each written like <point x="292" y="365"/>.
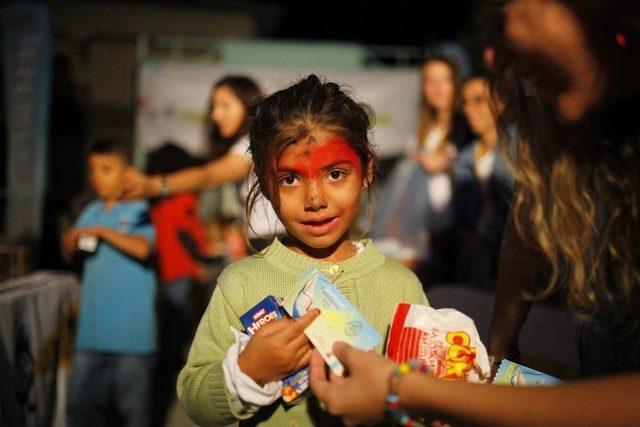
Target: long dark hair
<point x="578" y="200"/>
<point x="290" y="115"/>
<point x="248" y="92"/>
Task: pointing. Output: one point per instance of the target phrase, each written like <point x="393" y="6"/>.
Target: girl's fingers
<point x="298" y="325"/>
<point x="298" y="342"/>
<point x="304" y="359"/>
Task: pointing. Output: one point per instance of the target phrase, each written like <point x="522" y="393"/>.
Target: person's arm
<point x="269" y="355"/>
<point x="520" y="267"/>
<point x="604" y="402"/>
<point x="360" y="397"/>
<point x="232" y="167"/>
<point x="136" y="246"/>
<point x="201" y="385"/>
<point x="437" y="161"/>
<point x="69" y="244"/>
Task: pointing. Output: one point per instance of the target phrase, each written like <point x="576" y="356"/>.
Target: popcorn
<point x="445" y="341"/>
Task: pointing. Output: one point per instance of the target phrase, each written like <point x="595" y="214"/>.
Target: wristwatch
<point x="164" y="187"/>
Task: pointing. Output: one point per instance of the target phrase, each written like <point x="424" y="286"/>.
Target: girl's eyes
<point x="291" y="180"/>
<point x="336" y="174"/>
<point x="288" y="180"/>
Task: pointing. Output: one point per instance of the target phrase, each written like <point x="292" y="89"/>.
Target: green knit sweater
<point x="372" y="283"/>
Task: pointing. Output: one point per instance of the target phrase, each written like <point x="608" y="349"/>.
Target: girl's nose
<point x="314" y="197"/>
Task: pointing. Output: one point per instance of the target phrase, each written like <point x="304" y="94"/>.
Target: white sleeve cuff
<point x="246" y="396"/>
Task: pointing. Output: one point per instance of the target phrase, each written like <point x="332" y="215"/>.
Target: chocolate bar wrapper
<point x="268" y="310"/>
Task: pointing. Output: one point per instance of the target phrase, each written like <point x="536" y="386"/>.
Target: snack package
<point x="262" y="313"/>
<point x="514" y="374"/>
<point x="338" y="319"/>
<point x="445" y="341"/>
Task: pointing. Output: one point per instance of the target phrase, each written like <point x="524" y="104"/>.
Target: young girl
<point x="313" y="159"/>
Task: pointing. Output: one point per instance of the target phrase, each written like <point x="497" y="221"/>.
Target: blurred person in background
<point x="111" y="377"/>
<point x="483" y="183"/>
<point x="414" y="216"/>
<point x="181" y="252"/>
<point x="230" y="98"/>
<point x="569" y="77"/>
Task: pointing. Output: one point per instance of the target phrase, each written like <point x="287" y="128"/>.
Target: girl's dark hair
<point x="248" y="92"/>
<point x="291" y="115"/>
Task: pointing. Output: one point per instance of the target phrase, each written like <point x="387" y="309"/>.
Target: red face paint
<point x="311" y="159"/>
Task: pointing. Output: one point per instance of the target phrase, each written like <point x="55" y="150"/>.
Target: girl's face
<point x="320" y="180"/>
<point x="477" y="109"/>
<point x="227" y="111"/>
<point x="437" y="85"/>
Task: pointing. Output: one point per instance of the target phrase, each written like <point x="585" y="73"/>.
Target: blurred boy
<point x="116" y="337"/>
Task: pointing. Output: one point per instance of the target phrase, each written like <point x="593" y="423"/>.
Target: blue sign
<point x="27" y="49"/>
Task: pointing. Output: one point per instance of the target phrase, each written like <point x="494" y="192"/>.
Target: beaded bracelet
<point x="397" y="415"/>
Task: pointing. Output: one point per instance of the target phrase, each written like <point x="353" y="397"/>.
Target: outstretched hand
<point x="135" y="185"/>
<point x="358" y="397"/>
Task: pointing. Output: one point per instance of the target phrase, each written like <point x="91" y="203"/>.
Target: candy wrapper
<point x="262" y="313"/>
<point x="338" y="319"/>
<point x="445" y="341"/>
<point x="511" y="373"/>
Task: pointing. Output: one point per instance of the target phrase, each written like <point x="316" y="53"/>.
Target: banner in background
<point x="173" y="99"/>
<point x="27" y="50"/>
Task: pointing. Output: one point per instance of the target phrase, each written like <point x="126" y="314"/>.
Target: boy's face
<point x="107" y="172"/>
<point x="319" y="184"/>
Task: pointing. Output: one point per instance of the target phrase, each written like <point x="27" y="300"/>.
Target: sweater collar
<point x="295" y="263"/>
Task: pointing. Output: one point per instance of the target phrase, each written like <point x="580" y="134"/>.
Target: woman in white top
<point x="231" y="97"/>
<point x="414" y="217"/>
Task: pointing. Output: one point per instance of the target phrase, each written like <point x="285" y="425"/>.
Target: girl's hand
<point x="360" y="396"/>
<point x="277" y="350"/>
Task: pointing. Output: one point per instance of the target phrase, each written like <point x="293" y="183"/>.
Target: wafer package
<point x="338" y="319"/>
<point x="514" y="374"/>
<point x="445" y="341"/>
<point x="266" y="311"/>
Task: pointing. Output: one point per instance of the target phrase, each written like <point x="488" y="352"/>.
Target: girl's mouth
<point x="320" y="227"/>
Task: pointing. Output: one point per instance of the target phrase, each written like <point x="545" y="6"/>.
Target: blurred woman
<point x="570" y="77"/>
<point x="483" y="184"/>
<point x="414" y="217"/>
<point x="230" y="99"/>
